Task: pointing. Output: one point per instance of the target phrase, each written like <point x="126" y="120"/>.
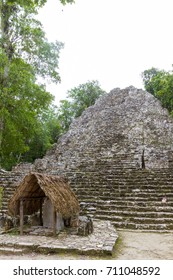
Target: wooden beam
<point x="21" y="216"/>
<point x="54" y="221"/>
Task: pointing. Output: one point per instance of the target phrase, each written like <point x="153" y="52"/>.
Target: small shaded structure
<point x="38" y="189"/>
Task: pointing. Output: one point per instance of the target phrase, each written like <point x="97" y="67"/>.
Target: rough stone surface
<point x="122" y="123"/>
<point x="104" y="154"/>
<point x="48" y="216"/>
<point x="101" y="241"/>
<point x="8" y="183"/>
<point x="23" y="167"/>
<point x="85" y="226"/>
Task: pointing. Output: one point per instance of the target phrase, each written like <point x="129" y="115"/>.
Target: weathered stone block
<point x="85" y="226"/>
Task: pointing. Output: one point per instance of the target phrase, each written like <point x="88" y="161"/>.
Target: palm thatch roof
<point x="35" y="187"/>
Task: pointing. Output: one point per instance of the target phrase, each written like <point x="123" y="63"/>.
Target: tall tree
<point x="147" y="77"/>
<point x="25" y="55"/>
<point x="78" y="99"/>
<point x="160" y="84"/>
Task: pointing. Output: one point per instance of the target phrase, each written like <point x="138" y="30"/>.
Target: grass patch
<point x="118" y="247"/>
<point x="13" y="231"/>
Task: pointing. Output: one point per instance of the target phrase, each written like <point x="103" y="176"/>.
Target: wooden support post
<point x="41" y="212"/>
<point x="21" y="216"/>
<point x="54" y="221"/>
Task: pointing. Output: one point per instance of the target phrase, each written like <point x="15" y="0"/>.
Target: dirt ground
<point x="144" y="246"/>
<point x="131" y="245"/>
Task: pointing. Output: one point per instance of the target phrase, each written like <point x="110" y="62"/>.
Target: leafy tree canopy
<point x="34" y="3"/>
<point x="160" y="84"/>
<point x="21" y="105"/>
<point x="78" y="99"/>
<point x="25" y="55"/>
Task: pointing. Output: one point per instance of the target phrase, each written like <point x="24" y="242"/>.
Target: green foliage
<point x="65" y="114"/>
<point x="23" y="37"/>
<point x="64" y="2"/>
<point x="147" y="77"/>
<point x="46" y="135"/>
<point x="51" y="124"/>
<point x="84" y="96"/>
<point x="27" y="3"/>
<point x="160" y="84"/>
<point x="29" y="124"/>
<point x="25" y="56"/>
<point x="34" y="3"/>
<point x="21" y="104"/>
<point x="78" y="99"/>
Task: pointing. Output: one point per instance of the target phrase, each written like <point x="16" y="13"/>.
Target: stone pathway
<point x="100" y="242"/>
<point x="131" y="245"/>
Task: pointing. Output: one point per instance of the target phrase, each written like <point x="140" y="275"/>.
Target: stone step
<point x="150" y="227"/>
<point x="7" y="193"/>
<point x="125" y="185"/>
<point x="93" y="183"/>
<point x="11" y="250"/>
<point x="117" y="192"/>
<point x="122" y="212"/>
<point x="119" y="171"/>
<point x="135" y="199"/>
<point x="97" y="186"/>
<point x="138" y="220"/>
<point x="133" y="213"/>
<point x="123" y="176"/>
<point x="140" y="206"/>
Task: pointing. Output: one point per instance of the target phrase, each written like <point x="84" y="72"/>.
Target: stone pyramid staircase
<point x="129" y="198"/>
<point x="103" y="153"/>
<point x="8" y="183"/>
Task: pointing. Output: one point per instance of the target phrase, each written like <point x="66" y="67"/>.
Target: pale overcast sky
<point x="111" y="41"/>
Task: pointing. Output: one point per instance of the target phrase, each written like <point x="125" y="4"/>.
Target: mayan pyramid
<point x="118" y="157"/>
<point x="127" y="128"/>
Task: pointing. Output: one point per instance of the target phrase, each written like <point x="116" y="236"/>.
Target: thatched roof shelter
<point x="35" y="187"/>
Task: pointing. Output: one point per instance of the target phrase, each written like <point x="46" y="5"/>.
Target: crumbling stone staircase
<point x="129" y="198"/>
<point x="116" y="188"/>
<point x="8" y="182"/>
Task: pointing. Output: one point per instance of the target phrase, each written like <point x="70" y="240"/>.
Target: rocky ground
<point x="132" y="245"/>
